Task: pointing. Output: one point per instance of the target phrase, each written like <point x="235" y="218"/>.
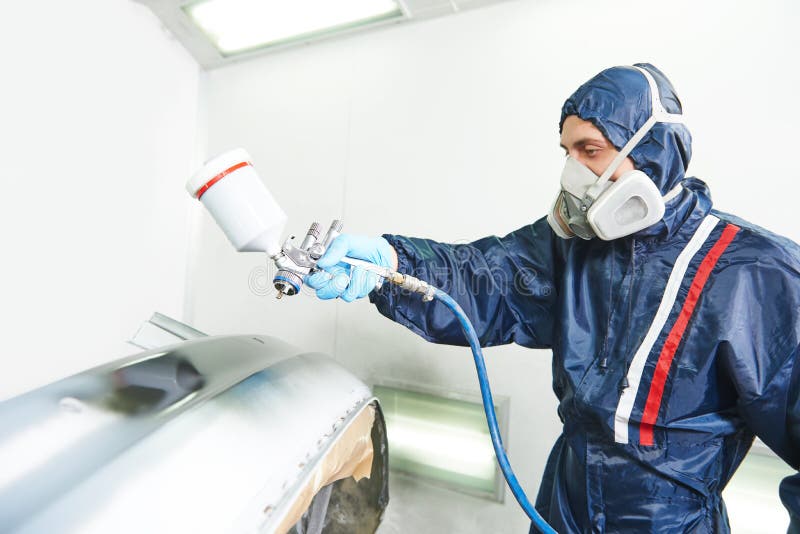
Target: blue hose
<point x="491" y="418"/>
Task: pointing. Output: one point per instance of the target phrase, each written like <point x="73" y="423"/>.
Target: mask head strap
<point x="659" y="114"/>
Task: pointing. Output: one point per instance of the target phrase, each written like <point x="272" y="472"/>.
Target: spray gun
<point x="295" y="262"/>
<point x="253" y="221"/>
<point x="231" y="190"/>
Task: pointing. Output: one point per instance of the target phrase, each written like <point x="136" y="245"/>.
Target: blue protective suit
<point x="672" y="348"/>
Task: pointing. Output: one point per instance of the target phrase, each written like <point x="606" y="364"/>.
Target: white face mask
<point x="590" y="205"/>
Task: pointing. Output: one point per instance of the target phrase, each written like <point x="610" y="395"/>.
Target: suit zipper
<point x="603" y="364"/>
<point x="623" y="384"/>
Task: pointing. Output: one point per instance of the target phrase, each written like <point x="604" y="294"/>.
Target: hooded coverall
<point x="672" y="347"/>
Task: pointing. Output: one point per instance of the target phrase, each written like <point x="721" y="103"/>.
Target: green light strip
<point x="441" y="440"/>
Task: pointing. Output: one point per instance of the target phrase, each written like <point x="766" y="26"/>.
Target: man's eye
<point x="592" y="151"/>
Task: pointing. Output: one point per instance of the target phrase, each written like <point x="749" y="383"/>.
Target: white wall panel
<point x="98" y="134"/>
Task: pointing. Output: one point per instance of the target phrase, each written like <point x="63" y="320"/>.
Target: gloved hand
<point x="339" y="279"/>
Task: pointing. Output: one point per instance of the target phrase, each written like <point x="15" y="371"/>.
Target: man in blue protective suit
<point x="674" y="327"/>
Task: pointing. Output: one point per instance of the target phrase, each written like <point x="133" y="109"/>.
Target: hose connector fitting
<point x="415" y="285"/>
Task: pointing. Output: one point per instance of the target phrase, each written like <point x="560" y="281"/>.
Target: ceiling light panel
<point x="236" y="26"/>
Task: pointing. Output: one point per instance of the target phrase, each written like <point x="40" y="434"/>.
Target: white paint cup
<point x="231" y="190"/>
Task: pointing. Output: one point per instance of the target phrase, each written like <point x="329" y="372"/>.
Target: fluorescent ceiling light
<point x="240" y="25"/>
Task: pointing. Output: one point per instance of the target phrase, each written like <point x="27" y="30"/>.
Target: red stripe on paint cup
<point x="219" y="177"/>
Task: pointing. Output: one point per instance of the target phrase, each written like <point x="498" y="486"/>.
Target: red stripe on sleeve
<point x="654" y="397"/>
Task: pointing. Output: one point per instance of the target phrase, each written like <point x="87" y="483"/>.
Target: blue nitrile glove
<point x="339" y="279"/>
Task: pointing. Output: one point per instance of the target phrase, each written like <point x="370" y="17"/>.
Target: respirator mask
<point x="592" y="206"/>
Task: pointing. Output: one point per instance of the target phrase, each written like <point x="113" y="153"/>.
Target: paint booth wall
<point x="448" y="129"/>
<point x="99" y="123"/>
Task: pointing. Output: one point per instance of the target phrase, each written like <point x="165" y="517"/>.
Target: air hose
<point x="433" y="293"/>
<point x="491" y="418"/>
